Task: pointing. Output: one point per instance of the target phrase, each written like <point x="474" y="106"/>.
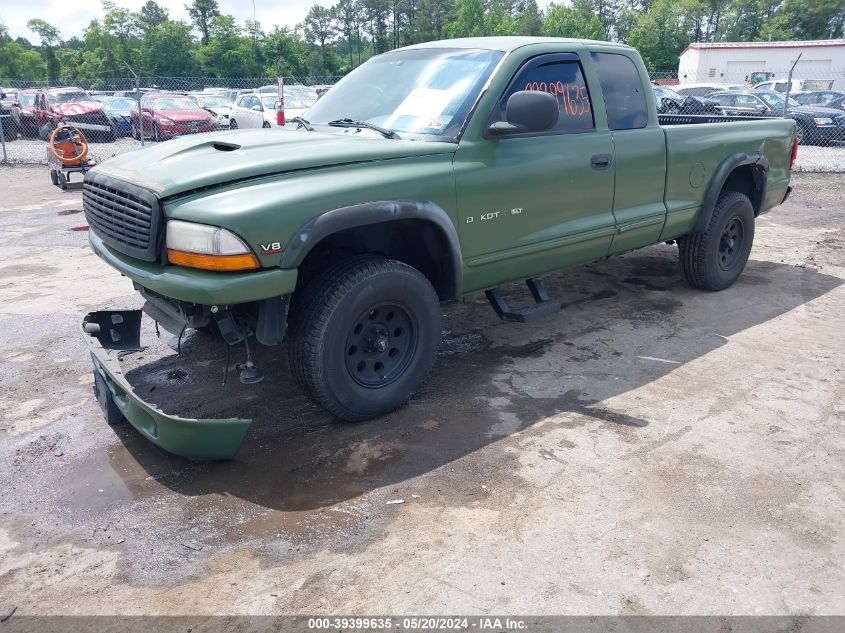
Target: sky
<point x="73" y="16"/>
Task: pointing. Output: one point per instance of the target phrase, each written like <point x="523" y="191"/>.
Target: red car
<point x="168" y="115"/>
<point x="23" y="112"/>
<point x="74" y="106"/>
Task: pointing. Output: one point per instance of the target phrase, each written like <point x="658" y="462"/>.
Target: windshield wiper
<point x="301" y="123"/>
<point x="370" y="126"/>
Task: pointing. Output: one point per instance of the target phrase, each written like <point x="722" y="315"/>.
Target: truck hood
<point x="76" y="108"/>
<point x="205" y="160"/>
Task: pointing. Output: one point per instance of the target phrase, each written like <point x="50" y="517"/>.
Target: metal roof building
<point x="736" y="62"/>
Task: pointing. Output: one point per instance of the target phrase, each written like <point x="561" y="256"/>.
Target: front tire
<point x="233" y="125"/>
<point x="715" y="258"/>
<point x="363" y="336"/>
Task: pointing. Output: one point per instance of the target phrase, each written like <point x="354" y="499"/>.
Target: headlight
<point x="207" y="247"/>
<point x="823" y="121"/>
<point x="165" y="120"/>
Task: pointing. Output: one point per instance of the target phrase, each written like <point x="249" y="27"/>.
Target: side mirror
<point x="257" y="108"/>
<point x="527" y="111"/>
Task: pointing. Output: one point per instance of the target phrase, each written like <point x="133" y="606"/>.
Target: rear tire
<point x="233" y="125"/>
<point x="715" y="258"/>
<point x="266" y="125"/>
<point x="363" y="336"/>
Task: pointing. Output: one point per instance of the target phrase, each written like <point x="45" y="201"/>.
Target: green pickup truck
<point x="428" y="173"/>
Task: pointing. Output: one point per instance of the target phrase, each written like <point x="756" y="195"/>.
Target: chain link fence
<point x="174" y="106"/>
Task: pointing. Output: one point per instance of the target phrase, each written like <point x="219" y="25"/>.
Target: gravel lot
<point x="650" y="450"/>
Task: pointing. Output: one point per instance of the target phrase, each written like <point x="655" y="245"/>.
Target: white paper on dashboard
<point x="425" y="103"/>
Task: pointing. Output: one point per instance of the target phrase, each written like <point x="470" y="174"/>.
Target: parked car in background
<point x="254" y="110"/>
<point x="23" y="112"/>
<point x="826" y="98"/>
<point x="165" y="115"/>
<point x="7" y="122"/>
<point x="670" y="102"/>
<point x="75" y="106"/>
<point x="230" y="94"/>
<point x="704" y="89"/>
<point x="217" y="104"/>
<point x="119" y="112"/>
<point x="798" y="85"/>
<point x="298" y="98"/>
<point x="817" y="125"/>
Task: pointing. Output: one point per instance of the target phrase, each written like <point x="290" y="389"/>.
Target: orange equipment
<point x="68" y="145"/>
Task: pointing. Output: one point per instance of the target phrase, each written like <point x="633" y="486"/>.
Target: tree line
<point x="334" y="40"/>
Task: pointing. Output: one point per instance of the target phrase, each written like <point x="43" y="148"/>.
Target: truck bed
<point x="699" y="143"/>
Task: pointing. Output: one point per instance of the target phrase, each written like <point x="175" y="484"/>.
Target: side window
<point x="747" y="101"/>
<point x="564" y="80"/>
<point x="624" y="98"/>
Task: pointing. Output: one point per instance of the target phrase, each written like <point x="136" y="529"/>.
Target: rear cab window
<point x="560" y="75"/>
<point x="624" y="96"/>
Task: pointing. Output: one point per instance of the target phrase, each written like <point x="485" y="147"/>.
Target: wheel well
<point x="749" y="180"/>
<point x="418" y="243"/>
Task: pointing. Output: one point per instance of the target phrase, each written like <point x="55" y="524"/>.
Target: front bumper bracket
<point x="108" y="332"/>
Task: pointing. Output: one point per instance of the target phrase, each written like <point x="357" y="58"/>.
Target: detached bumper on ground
<point x="109" y="332"/>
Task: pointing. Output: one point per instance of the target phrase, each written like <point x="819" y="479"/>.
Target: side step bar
<point x="543" y="306"/>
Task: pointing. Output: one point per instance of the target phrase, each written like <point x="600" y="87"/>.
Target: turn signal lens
<point x="247" y="261"/>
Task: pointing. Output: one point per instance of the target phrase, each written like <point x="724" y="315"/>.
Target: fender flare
<point x="760" y="170"/>
<point x="343" y="218"/>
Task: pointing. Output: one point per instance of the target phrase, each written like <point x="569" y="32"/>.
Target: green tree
<point x="50" y="39"/>
<point x="18" y="61"/>
<point x="469" y="19"/>
<point x="202" y="13"/>
<point x="563" y="21"/>
<point x="169" y="50"/>
<point x="529" y="19"/>
<point x="153" y="15"/>
<point x="286" y="50"/>
<point x="228" y="53"/>
<point x="319" y="26"/>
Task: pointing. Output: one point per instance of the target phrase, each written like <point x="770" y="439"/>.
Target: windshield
<point x="776" y="100"/>
<point x="27" y="99"/>
<point x="426" y="91"/>
<point x="174" y="103"/>
<point x="213" y="102"/>
<point x="69" y="97"/>
<point x="269" y="101"/>
<point x="661" y="92"/>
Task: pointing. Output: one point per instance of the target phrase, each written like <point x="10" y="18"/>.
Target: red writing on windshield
<point x="572" y="99"/>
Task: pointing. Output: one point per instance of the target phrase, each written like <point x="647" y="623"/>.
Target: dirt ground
<point x="652" y="449"/>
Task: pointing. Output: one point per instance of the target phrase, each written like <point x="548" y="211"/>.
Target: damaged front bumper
<point x="108" y="332"/>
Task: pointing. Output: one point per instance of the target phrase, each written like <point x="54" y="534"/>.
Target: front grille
<point x="124" y="216"/>
<point x="96" y="118"/>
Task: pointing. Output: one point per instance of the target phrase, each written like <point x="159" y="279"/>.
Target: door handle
<point x="600" y="162"/>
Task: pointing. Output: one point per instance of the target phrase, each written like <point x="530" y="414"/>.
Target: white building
<point x="754" y="62"/>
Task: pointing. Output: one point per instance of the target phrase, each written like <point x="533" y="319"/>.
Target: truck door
<point x="533" y="202"/>
<point x="640" y="150"/>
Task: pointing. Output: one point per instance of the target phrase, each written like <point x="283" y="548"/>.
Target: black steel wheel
<point x="731" y="242"/>
<point x="715" y="258"/>
<point x="380" y="345"/>
<point x="363" y="335"/>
